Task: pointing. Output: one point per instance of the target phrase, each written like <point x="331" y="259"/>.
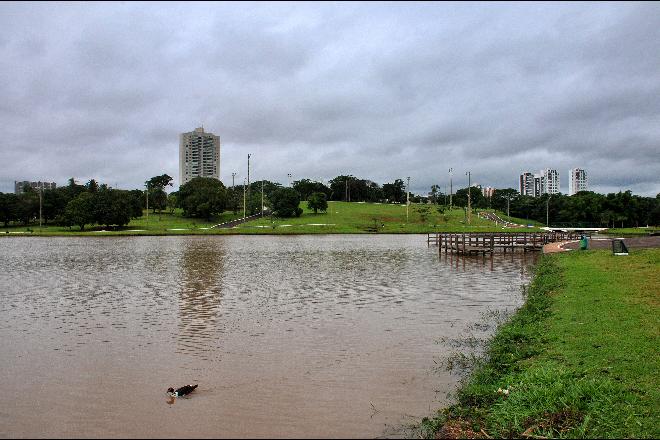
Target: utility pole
<point x="248" y="176"/>
<point x="147" y="185"/>
<point x="469" y="208"/>
<point x="451" y="189"/>
<point x="547" y="211"/>
<point x="41" y="190"/>
<point x="407" y="198"/>
<point x="508" y="198"/>
<point x="232" y="180"/>
<point x="262" y="198"/>
<point x="244" y="189"/>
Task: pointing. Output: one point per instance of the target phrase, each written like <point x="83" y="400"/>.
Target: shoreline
<point x="578" y="360"/>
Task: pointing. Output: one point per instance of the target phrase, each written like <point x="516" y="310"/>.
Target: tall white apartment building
<point x="550" y="181"/>
<point x="199" y="155"/>
<point x="526" y="184"/>
<point x="577" y="181"/>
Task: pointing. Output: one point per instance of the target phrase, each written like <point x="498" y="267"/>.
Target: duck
<point x="184" y="390"/>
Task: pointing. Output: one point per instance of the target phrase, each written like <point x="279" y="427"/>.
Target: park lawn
<point x="357" y="217"/>
<point x="629" y="231"/>
<point x="581" y="358"/>
<point x="341" y="218"/>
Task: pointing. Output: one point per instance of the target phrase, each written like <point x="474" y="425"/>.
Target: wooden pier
<point x="474" y="243"/>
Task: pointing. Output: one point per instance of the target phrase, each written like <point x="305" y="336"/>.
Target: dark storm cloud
<point x="381" y="91"/>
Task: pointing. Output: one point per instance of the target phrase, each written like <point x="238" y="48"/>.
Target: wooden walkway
<point x="474" y="243"/>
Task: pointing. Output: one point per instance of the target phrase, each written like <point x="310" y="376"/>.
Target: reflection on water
<point x="201" y="271"/>
<point x="310" y="336"/>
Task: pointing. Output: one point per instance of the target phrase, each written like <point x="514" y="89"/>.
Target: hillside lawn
<point x="341" y="218"/>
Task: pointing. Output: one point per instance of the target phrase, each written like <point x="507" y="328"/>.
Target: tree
<point x="80" y="210"/>
<point x="172" y="201"/>
<point x="286" y="203"/>
<point x="202" y="197"/>
<point x="306" y="187"/>
<point x="27" y="206"/>
<point x="8" y="208"/>
<point x="156" y="188"/>
<point x="394" y="192"/>
<point x="318" y="201"/>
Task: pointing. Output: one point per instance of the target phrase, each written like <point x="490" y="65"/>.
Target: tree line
<point x="80" y="205"/>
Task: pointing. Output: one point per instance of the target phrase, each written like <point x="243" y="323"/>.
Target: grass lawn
<point x="342" y="217"/>
<point x="581" y="359"/>
<point x="630" y="231"/>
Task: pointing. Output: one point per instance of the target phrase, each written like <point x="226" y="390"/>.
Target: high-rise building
<point x="526" y="184"/>
<point x="550" y="181"/>
<point x="18" y="186"/>
<point x="539" y="185"/>
<point x="199" y="155"/>
<point x="577" y="181"/>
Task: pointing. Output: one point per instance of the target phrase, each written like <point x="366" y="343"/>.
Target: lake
<point x="287" y="336"/>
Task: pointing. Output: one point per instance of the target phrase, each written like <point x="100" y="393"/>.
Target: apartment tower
<point x="577" y="181"/>
<point x="199" y="155"/>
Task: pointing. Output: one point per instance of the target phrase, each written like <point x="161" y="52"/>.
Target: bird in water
<point x="184" y="390"/>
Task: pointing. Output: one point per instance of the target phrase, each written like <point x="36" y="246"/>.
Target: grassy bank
<point x="579" y="360"/>
<point x="341" y="218"/>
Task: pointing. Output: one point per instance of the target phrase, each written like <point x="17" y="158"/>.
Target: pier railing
<point x="485" y="242"/>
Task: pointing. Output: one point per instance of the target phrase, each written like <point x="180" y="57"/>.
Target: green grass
<point x="580" y="358"/>
<point x="341" y="218"/>
<point x="630" y="231"/>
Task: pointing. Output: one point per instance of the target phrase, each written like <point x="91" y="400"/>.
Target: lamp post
<point x="41" y="189"/>
<point x="469" y="207"/>
<point x="244" y="189"/>
<point x="407" y="198"/>
<point x="248" y="175"/>
<point x="262" y="198"/>
<point x="451" y="189"/>
<point x="147" y="185"/>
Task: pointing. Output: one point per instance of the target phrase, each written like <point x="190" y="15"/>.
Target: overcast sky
<point x="378" y="90"/>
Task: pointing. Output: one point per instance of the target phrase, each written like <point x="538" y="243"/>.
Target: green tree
<point x="80" y="210"/>
<point x="286" y="203"/>
<point x="172" y="201"/>
<point x="202" y="197"/>
<point x="394" y="192"/>
<point x="8" y="208"/>
<point x="157" y="195"/>
<point x="306" y="187"/>
<point x="318" y="201"/>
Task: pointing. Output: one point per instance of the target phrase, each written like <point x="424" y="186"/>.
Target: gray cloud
<point x="381" y="91"/>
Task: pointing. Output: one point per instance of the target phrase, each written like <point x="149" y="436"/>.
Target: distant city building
<point x="577" y="181"/>
<point x="535" y="185"/>
<point x="199" y="155"/>
<point x="488" y="191"/>
<point x="526" y="184"/>
<point x="550" y="181"/>
<point x="18" y="186"/>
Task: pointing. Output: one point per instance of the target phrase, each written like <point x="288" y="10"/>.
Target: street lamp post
<point x="41" y="189"/>
<point x="451" y="189"/>
<point x="469" y="207"/>
<point x="244" y="189"/>
<point x="407" y="198"/>
<point x="147" y="185"/>
<point x="262" y="198"/>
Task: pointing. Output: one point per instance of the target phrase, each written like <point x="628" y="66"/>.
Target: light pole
<point x="547" y="211"/>
<point x="232" y="180"/>
<point x="244" y="189"/>
<point x="147" y="185"/>
<point x="248" y="176"/>
<point x="41" y="189"/>
<point x="407" y="198"/>
<point x="262" y="198"/>
<point x="469" y="207"/>
<point x="451" y="189"/>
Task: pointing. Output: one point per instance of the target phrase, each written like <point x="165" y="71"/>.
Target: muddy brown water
<point x="305" y="336"/>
